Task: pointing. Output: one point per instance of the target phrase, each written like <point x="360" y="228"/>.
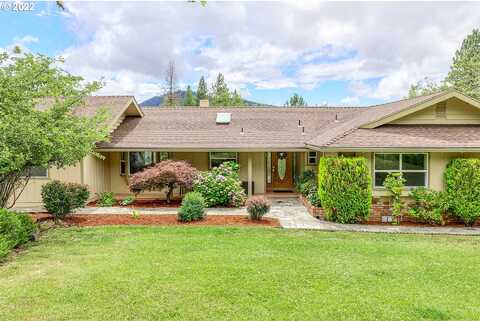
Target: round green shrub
<point x="429" y="205"/>
<point x="79" y="194"/>
<point x="15" y="229"/>
<point x="257" y="207"/>
<point x="192" y="208"/>
<point x="345" y="189"/>
<point x="61" y="198"/>
<point x="462" y="186"/>
<point x="56" y="199"/>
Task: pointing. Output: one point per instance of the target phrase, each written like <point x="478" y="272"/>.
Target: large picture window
<point x="217" y="158"/>
<point x="140" y="160"/>
<point x="413" y="166"/>
<point x="37" y="172"/>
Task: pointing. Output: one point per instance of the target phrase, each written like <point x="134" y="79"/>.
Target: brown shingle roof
<point x="369" y="114"/>
<point x="114" y="104"/>
<point x="195" y="127"/>
<point x="277" y="128"/>
<point x="412" y="136"/>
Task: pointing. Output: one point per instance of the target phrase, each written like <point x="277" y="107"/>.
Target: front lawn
<point x="210" y="273"/>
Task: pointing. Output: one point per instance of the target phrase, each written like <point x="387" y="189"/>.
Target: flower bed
<point x="145" y="203"/>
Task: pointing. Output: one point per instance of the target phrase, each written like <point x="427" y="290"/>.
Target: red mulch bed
<point x="118" y="219"/>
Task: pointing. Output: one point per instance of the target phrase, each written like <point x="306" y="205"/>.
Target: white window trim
<point x="127" y="161"/>
<point x="210" y="158"/>
<point x="426" y="171"/>
<point x="308" y="158"/>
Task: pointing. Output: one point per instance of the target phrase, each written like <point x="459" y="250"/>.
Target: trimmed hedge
<point x="15" y="229"/>
<point x="462" y="186"/>
<point x="345" y="189"/>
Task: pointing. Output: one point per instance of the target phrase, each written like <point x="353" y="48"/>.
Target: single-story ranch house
<point x="415" y="136"/>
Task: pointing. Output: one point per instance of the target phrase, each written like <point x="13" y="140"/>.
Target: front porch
<point x="268" y="172"/>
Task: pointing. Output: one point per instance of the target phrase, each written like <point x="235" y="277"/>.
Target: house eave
<point x="396" y="149"/>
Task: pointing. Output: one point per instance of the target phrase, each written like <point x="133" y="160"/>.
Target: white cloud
<point x="350" y="101"/>
<point x="26" y="39"/>
<point x="269" y="45"/>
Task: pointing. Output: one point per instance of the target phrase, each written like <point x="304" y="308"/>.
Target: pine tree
<point x="189" y="98"/>
<point x="295" y="100"/>
<point x="464" y="73"/>
<point x="220" y="93"/>
<point x="236" y="99"/>
<point x="202" y="90"/>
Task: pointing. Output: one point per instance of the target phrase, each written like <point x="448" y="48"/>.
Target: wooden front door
<point x="282" y="170"/>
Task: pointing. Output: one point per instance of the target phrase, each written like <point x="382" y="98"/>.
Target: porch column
<point x="250" y="174"/>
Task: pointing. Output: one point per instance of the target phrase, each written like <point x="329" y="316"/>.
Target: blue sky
<point x="330" y="53"/>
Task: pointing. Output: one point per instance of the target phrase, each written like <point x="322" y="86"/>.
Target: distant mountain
<point x="158" y="100"/>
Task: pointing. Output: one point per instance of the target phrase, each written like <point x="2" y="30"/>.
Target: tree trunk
<point x="11" y="187"/>
<point x="169" y="193"/>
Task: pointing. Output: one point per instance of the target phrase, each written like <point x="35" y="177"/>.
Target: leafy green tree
<point x="464" y="73"/>
<point x="296" y="100"/>
<point x="38" y="125"/>
<point x="189" y="98"/>
<point x="220" y="93"/>
<point x="426" y="87"/>
<point x="236" y="99"/>
<point x="202" y="90"/>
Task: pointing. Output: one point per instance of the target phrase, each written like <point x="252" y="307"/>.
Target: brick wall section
<point x="381" y="207"/>
<point x="314" y="211"/>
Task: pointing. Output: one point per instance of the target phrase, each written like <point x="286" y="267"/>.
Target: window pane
<point x="38" y="171"/>
<point x="139" y="160"/>
<point x="223" y="155"/>
<point x="312" y="158"/>
<point x="162" y="156"/>
<point x="269" y="167"/>
<point x="380" y="178"/>
<point x="414" y="179"/>
<point x="414" y="161"/>
<point x="387" y="161"/>
<point x="217" y="162"/>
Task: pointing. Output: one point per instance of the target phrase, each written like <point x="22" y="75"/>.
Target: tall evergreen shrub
<point x="462" y="186"/>
<point x="345" y="189"/>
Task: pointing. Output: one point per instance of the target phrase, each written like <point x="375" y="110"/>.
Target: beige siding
<point x="456" y="112"/>
<point x="32" y="197"/>
<point x="96" y="173"/>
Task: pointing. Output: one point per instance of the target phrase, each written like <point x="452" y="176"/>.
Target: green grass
<point x="206" y="273"/>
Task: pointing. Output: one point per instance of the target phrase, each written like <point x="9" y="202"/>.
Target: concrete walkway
<point x="291" y="215"/>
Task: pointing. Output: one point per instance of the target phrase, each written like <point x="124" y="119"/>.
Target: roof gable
<point x="418" y="106"/>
